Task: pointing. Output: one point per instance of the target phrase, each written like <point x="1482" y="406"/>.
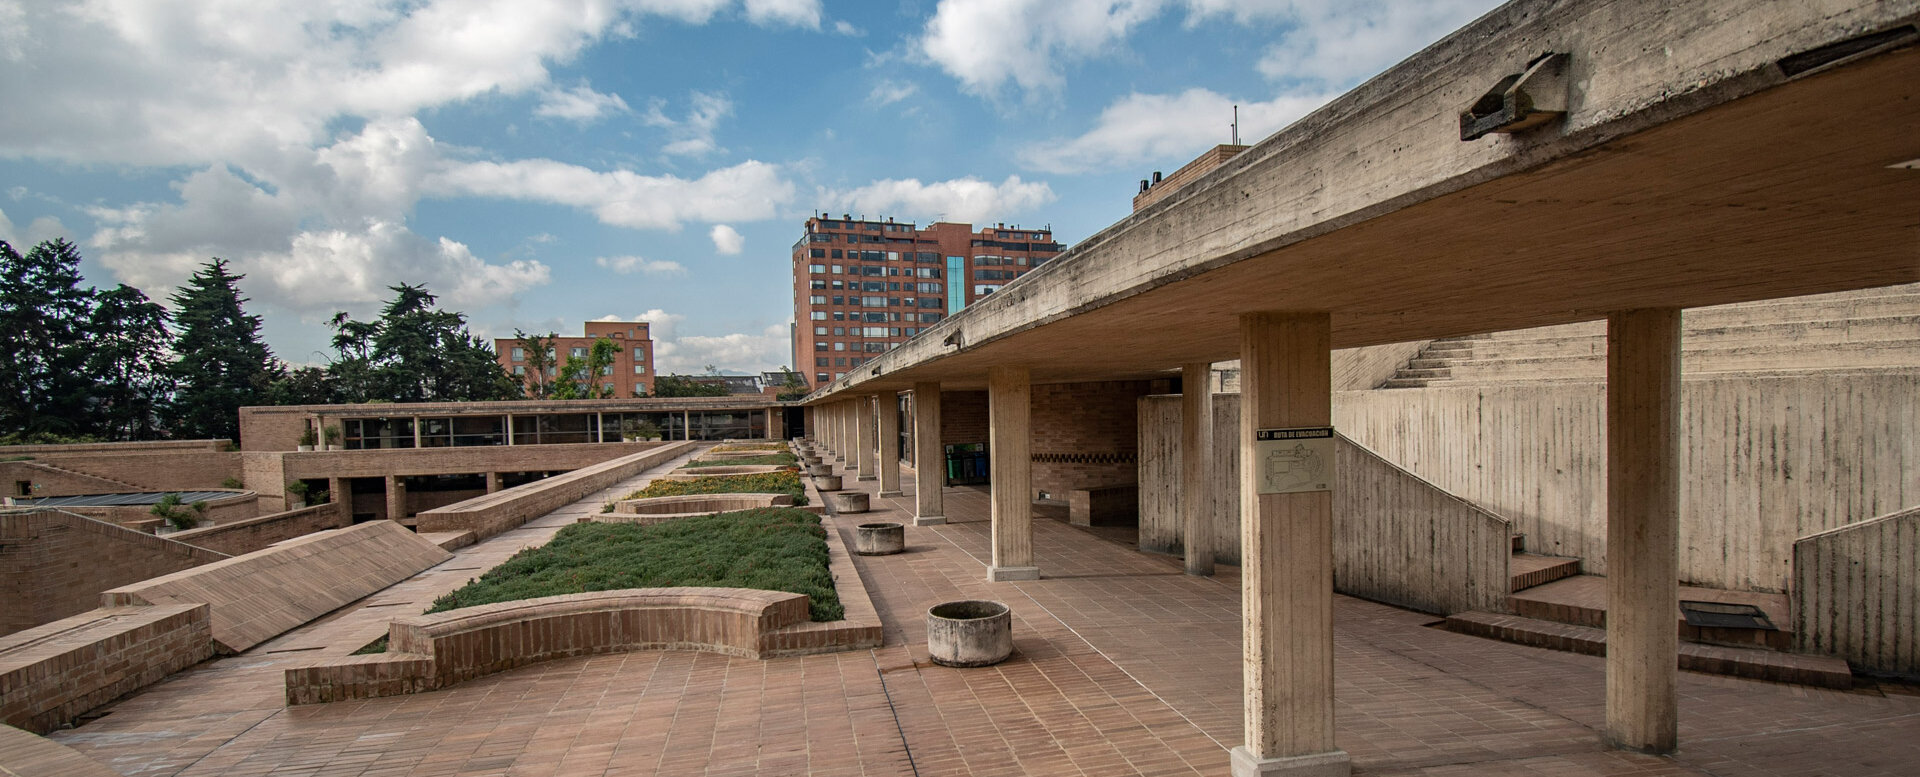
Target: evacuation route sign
<point x="1293" y="461"/>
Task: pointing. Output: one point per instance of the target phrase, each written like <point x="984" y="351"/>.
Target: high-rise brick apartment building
<point x="631" y="374"/>
<point x="861" y="287"/>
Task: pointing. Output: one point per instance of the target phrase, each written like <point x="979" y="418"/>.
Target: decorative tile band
<point x="1086" y="458"/>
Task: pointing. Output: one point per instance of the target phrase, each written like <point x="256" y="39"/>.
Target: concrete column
<point x="340" y="492"/>
<point x="686" y="424"/>
<point x="773" y="433"/>
<point x="493" y="482"/>
<point x="509" y="428"/>
<point x="1009" y="413"/>
<point x="887" y="407"/>
<point x="396" y="497"/>
<point x="1196" y="454"/>
<point x="929" y="459"/>
<point x="1643" y="529"/>
<point x="843" y="445"/>
<point x="416" y="432"/>
<point x="1287" y="555"/>
<point x="866" y="433"/>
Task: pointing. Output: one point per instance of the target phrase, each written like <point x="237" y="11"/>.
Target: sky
<point x="541" y="163"/>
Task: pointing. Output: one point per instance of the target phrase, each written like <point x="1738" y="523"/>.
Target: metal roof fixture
<point x="1520" y="101"/>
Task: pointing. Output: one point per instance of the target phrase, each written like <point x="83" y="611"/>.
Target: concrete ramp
<point x="263" y="594"/>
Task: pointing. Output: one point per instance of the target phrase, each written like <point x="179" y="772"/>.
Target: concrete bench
<point x="1104" y="506"/>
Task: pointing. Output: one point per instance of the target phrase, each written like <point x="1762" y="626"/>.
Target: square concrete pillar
<point x="396" y="497"/>
<point x="493" y="482"/>
<point x="1196" y="449"/>
<point x="340" y="492"/>
<point x="1643" y="529"/>
<point x="773" y="433"/>
<point x="1287" y="550"/>
<point x="1010" y="466"/>
<point x="929" y="457"/>
<point x="843" y="431"/>
<point x="887" y="407"/>
<point x="867" y="434"/>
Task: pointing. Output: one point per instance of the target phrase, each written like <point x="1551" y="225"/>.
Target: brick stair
<point x="1527" y="570"/>
<point x="1712" y="659"/>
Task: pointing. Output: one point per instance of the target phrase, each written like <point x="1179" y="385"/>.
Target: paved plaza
<point x="1123" y="665"/>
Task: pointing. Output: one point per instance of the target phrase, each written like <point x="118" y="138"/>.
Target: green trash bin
<point x="967" y="464"/>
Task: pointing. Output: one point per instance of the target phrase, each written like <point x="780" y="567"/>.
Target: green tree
<point x="304" y="386"/>
<point x="582" y="378"/>
<point x="416" y="352"/>
<point x="128" y="364"/>
<point x="222" y="365"/>
<point x="687" y="386"/>
<point x="43" y="332"/>
<point x="539" y="353"/>
<point x="792" y="386"/>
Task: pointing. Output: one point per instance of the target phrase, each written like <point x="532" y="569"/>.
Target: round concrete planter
<point x="826" y="482"/>
<point x="849" y="501"/>
<point x="969" y="633"/>
<point x="818" y="470"/>
<point x="810" y="460"/>
<point x="879" y="539"/>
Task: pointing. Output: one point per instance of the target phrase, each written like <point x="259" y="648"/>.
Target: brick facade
<point x="51" y="675"/>
<point x="252" y="534"/>
<point x="632" y="367"/>
<point x="54" y="565"/>
<point x="1085" y="435"/>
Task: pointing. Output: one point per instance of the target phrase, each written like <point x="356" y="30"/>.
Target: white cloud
<point x="579" y="104"/>
<point x="798" y="13"/>
<point x="726" y="240"/>
<point x="889" y="91"/>
<point x="1147" y="128"/>
<point x="37" y="231"/>
<point x="693" y="135"/>
<point x="628" y="265"/>
<point x="1333" y="44"/>
<point x="962" y="199"/>
<point x="732" y="353"/>
<point x="987" y="43"/>
<point x="846" y="28"/>
<point x="748" y="191"/>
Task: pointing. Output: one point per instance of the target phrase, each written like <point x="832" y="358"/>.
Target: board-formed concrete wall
<point x="1765" y="460"/>
<point x="1397" y="538"/>
<point x="1856" y="593"/>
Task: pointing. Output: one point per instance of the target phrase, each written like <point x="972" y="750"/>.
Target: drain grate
<point x="1721" y="615"/>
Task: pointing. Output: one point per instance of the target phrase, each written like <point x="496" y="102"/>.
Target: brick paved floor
<point x="1123" y="665"/>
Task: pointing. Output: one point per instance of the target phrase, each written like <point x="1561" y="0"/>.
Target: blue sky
<point x="541" y="163"/>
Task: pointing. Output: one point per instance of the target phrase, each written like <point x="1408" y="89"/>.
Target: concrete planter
<point x="818" y="470"/>
<point x="849" y="501"/>
<point x="879" y="539"/>
<point x="969" y="633"/>
<point x="826" y="482"/>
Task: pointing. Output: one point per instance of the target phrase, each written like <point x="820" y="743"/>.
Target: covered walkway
<point x="1123" y="665"/>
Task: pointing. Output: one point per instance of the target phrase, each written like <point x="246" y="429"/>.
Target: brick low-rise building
<point x="630" y="375"/>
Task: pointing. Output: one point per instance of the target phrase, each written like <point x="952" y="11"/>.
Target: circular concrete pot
<point x="817" y="470"/>
<point x="879" y="539"/>
<point x="969" y="633"/>
<point x="849" y="501"/>
<point x="826" y="482"/>
<point x="810" y="459"/>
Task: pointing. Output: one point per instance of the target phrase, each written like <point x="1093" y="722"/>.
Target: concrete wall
<point x="247" y="536"/>
<point x="1856" y="593"/>
<point x="55" y="564"/>
<point x="1397" y="538"/>
<point x="1765" y="460"/>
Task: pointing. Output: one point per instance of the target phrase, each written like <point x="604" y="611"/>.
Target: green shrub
<point x="772" y="549"/>
<point x="787" y="482"/>
<point x="180" y="518"/>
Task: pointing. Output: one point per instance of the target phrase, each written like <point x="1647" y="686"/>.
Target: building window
<point x="839" y="284"/>
<point x="819" y="330"/>
<point x="816" y="284"/>
<point x="519" y="354"/>
<point x="820" y="345"/>
<point x="839" y="315"/>
<point x="840" y="361"/>
<point x="818" y="315"/>
<point x="816" y="268"/>
<point x="817" y="299"/>
<point x="519" y="369"/>
<point x="639" y="369"/>
<point x="839" y="346"/>
<point x="578" y="353"/>
<point x="819" y="361"/>
<point x="839" y="330"/>
<point x="836" y="254"/>
<point x="837" y="269"/>
<point x="821" y="377"/>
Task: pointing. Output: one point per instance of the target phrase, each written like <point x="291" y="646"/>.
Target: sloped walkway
<point x="1123" y="665"/>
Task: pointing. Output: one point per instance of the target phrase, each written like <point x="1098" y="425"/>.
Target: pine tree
<point x="416" y="352"/>
<point x="222" y="364"/>
<point x="127" y="363"/>
<point x="43" y="331"/>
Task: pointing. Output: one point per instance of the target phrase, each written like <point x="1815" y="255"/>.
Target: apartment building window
<point x="840" y="361"/>
<point x="838" y="269"/>
<point x="956" y="295"/>
<point x="821" y="377"/>
<point x="839" y="346"/>
<point x="819" y="330"/>
<point x="639" y="369"/>
<point x="928" y="318"/>
<point x="873" y="302"/>
<point x="519" y="354"/>
<point x="839" y="284"/>
<point x="819" y="361"/>
<point x="816" y="268"/>
<point x="817" y="315"/>
<point x="519" y="369"/>
<point x="816" y="253"/>
<point x="607" y="370"/>
<point x="578" y="353"/>
<point x="839" y="315"/>
<point x="817" y="299"/>
<point x="820" y="345"/>
<point x="836" y="254"/>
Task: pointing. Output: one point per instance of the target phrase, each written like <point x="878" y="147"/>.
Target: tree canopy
<point x="415" y="352"/>
<point x="223" y="364"/>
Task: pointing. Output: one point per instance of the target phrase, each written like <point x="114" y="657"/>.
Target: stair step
<point x="1519" y="542"/>
<point x="1526" y="570"/>
<point x="1581" y="600"/>
<point x="1750" y="663"/>
<point x="1423" y="373"/>
<point x="1395" y="383"/>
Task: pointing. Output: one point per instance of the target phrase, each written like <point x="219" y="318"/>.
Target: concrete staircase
<point x="1871" y="329"/>
<point x="1552" y="605"/>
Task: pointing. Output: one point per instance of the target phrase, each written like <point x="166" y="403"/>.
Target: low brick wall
<point x="427" y="652"/>
<point x="501" y="511"/>
<point x="263" y="594"/>
<point x="253" y="534"/>
<point x="54" y="564"/>
<point x="1104" y="506"/>
<point x="53" y="673"/>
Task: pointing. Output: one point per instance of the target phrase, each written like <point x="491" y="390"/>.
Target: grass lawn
<point x="772" y="549"/>
<point x="748" y="459"/>
<point x="760" y="483"/>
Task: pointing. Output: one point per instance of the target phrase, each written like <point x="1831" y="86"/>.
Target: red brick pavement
<point x="1123" y="665"/>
